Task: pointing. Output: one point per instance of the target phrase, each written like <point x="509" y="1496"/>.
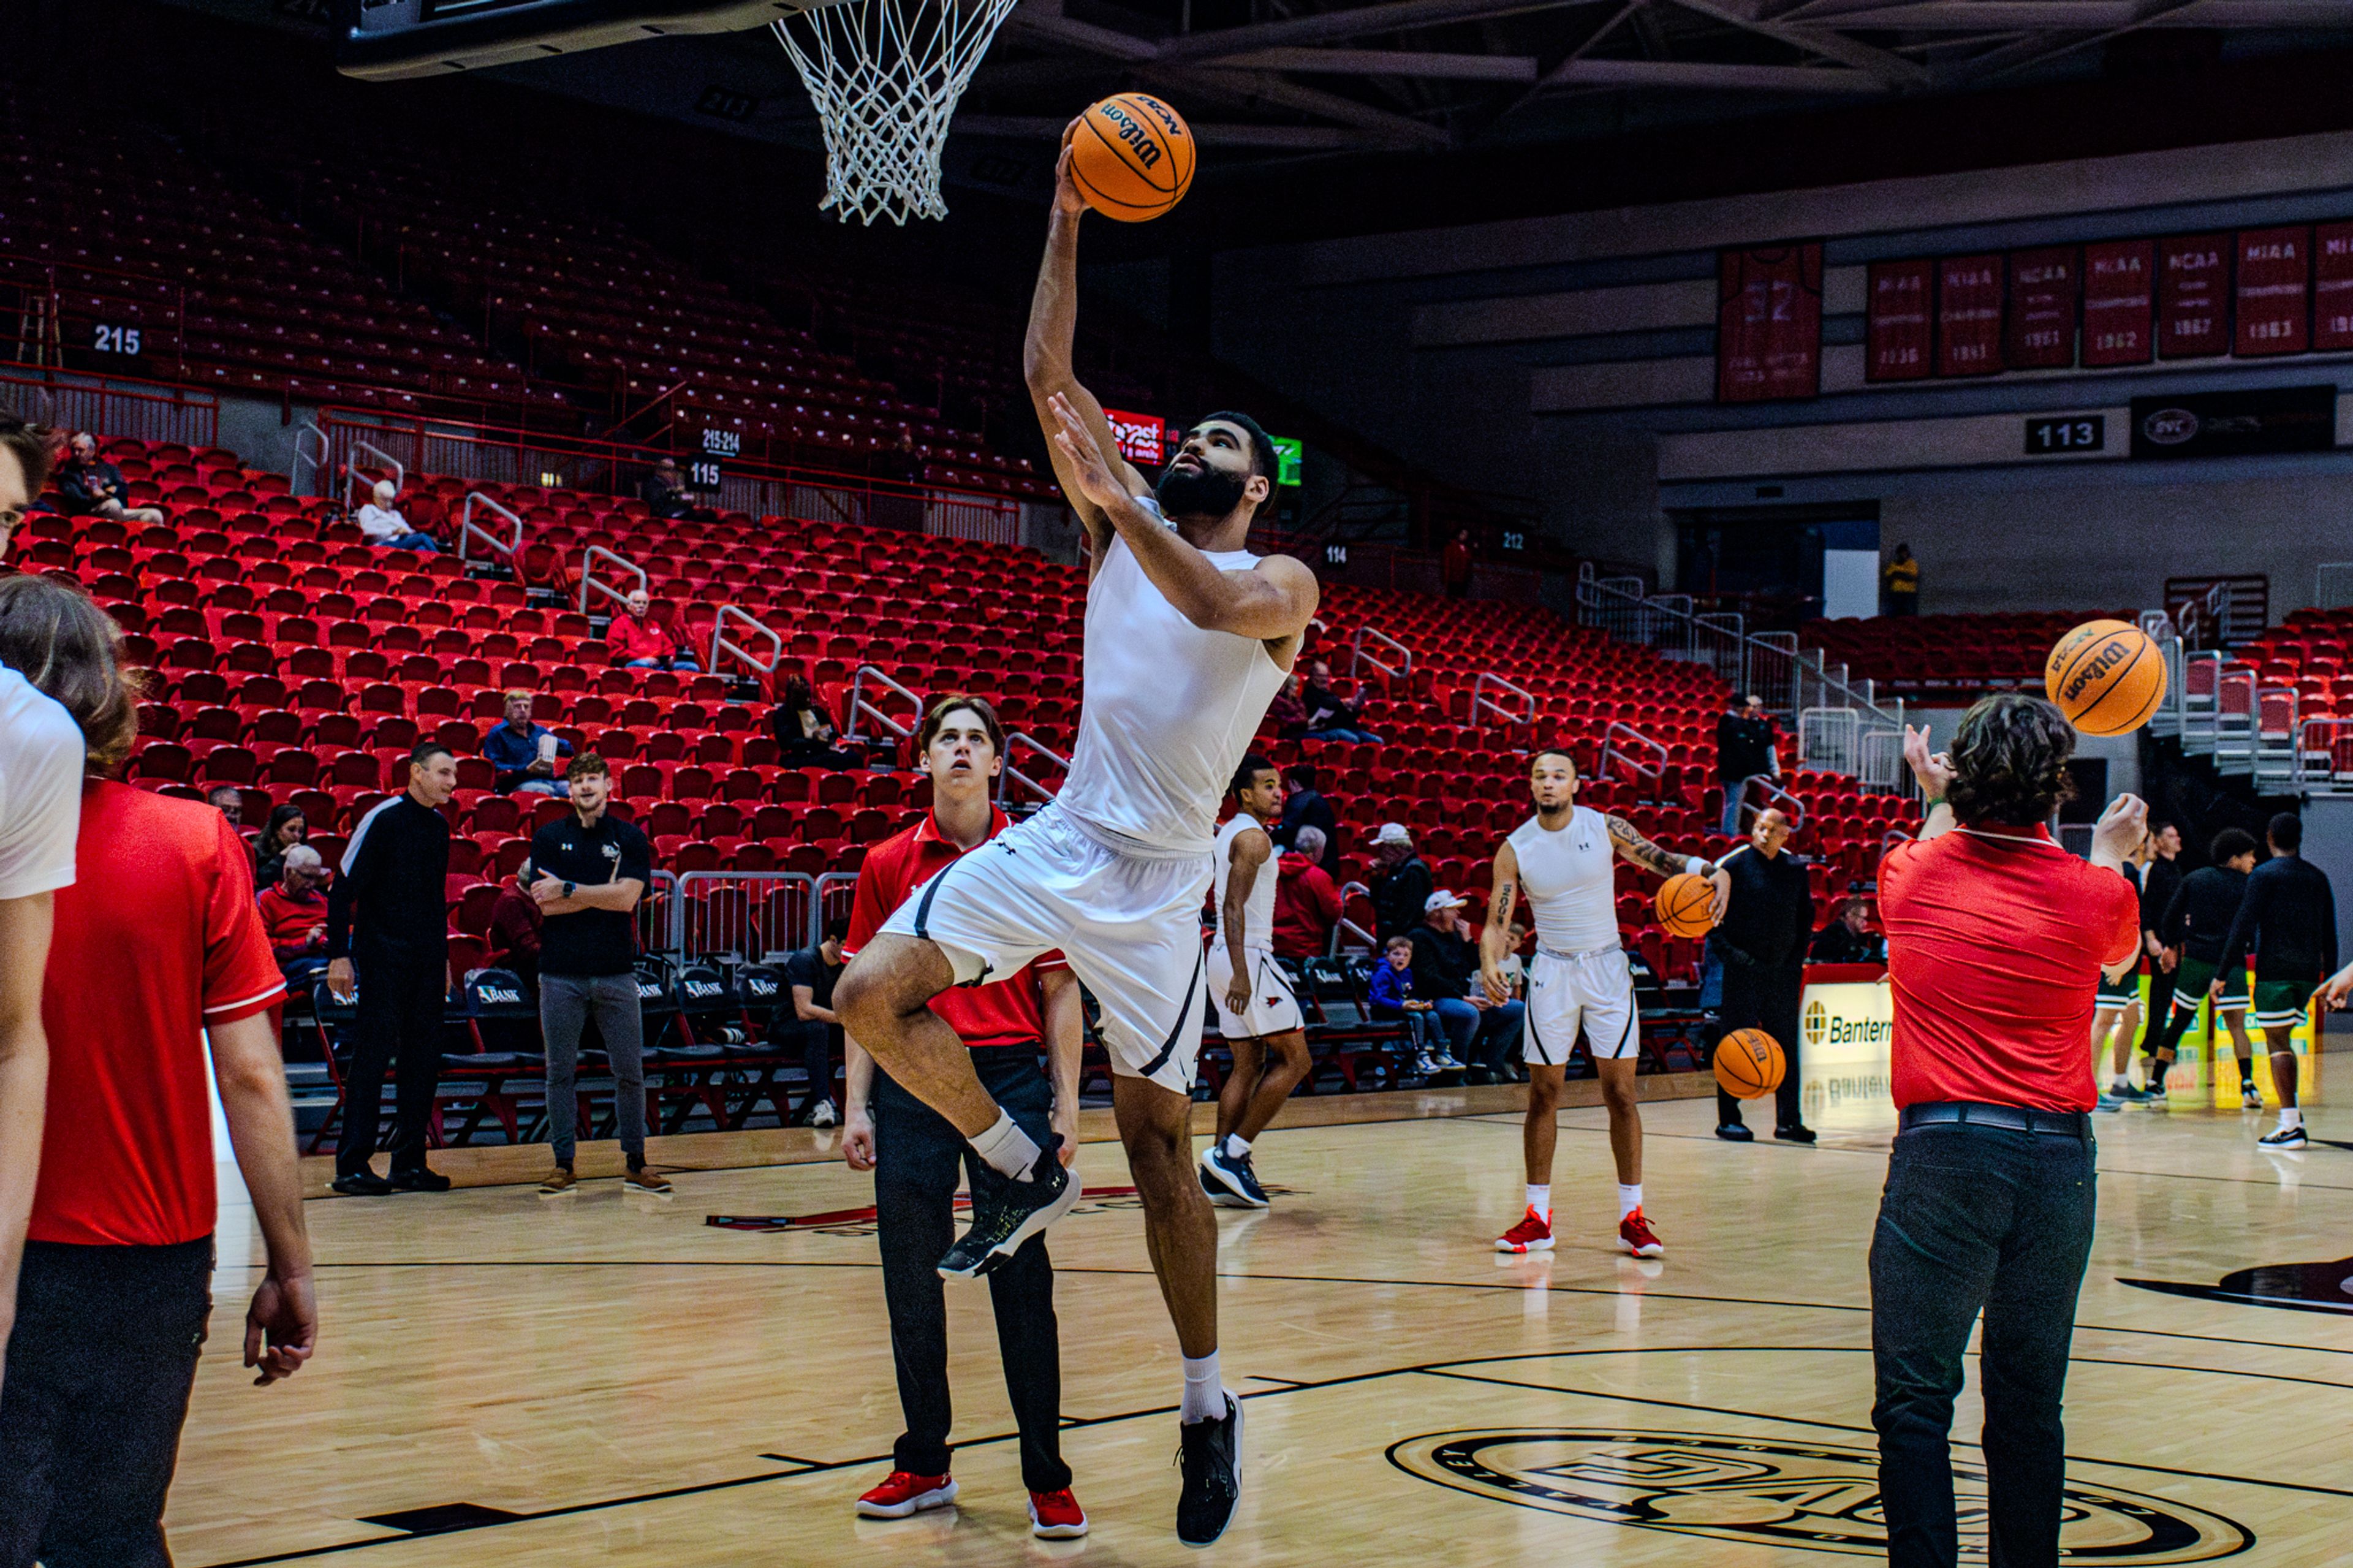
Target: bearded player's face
<point x="1552" y="780"/>
<point x="1210" y="475"/>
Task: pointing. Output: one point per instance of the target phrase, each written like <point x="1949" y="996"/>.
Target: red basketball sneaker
<point x="1056" y="1516"/>
<point x="1634" y="1234"/>
<point x="1533" y="1234"/>
<point x="902" y="1494"/>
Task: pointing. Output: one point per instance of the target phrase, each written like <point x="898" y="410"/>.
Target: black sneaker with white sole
<point x="2284" y="1138"/>
<point x="1211" y="1456"/>
<point x="1230" y="1182"/>
<point x="1009" y="1214"/>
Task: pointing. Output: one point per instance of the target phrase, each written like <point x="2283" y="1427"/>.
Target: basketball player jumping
<point x="1562" y="858"/>
<point x="1257" y="1011"/>
<point x="1187" y="638"/>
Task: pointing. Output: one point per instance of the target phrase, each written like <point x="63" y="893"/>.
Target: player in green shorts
<point x="2116" y="1016"/>
<point x="2197" y="923"/>
<point x="2289" y="917"/>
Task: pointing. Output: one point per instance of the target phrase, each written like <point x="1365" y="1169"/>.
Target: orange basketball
<point x="1749" y="1063"/>
<point x="1683" y="904"/>
<point x="1132" y="156"/>
<point x="2108" y="677"/>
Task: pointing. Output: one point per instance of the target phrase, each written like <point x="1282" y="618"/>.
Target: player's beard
<point x="1198" y="492"/>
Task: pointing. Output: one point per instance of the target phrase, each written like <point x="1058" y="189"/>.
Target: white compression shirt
<point x="1258" y="910"/>
<point x="40" y="789"/>
<point x="1568" y="877"/>
<point x="1168" y="712"/>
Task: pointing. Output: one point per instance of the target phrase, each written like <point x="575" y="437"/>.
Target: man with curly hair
<point x="1996" y="940"/>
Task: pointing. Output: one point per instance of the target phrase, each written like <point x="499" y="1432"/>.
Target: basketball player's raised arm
<point x="1066" y="1036"/>
<point x="1495" y="936"/>
<point x="1638" y="850"/>
<point x="1250" y="850"/>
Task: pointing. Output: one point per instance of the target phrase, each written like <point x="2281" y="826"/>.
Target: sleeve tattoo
<point x="1641" y="850"/>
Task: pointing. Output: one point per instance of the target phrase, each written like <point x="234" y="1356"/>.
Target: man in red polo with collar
<point x="915" y="1153"/>
<point x="1995" y="940"/>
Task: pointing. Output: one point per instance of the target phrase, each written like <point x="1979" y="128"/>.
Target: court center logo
<point x="1817" y="1022"/>
<point x="1816" y="1497"/>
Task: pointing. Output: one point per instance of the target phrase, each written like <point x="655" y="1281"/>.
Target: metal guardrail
<point x="861" y="707"/>
<point x="1371" y="942"/>
<point x="719" y="642"/>
<point x="837" y="891"/>
<point x="315" y="459"/>
<point x="1614" y="751"/>
<point x="588" y="578"/>
<point x="2324" y="754"/>
<point x="352" y="469"/>
<point x="1019" y="741"/>
<point x="655" y="913"/>
<point x="1357" y="656"/>
<point x="469" y="529"/>
<point x="1481" y="702"/>
<point x="1759" y="793"/>
<point x="743" y="915"/>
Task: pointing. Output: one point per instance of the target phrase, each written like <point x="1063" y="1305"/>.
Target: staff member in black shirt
<point x="1760" y="951"/>
<point x="2290" y="916"/>
<point x="810" y="975"/>
<point x="1744" y="749"/>
<point x="2197" y="920"/>
<point x="387" y="915"/>
<point x="2159" y="880"/>
<point x="588" y="871"/>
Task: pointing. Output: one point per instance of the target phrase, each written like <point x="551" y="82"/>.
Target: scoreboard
<point x="386" y="39"/>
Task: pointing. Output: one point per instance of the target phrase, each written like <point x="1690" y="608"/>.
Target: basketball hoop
<point x="885" y="76"/>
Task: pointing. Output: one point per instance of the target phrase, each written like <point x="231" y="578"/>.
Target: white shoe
<point x="823" y="1115"/>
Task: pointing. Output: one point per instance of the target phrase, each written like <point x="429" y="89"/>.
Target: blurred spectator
<point x="286" y="827"/>
<point x="1744" y="749"/>
<point x="229" y="801"/>
<point x="383" y="526"/>
<point x="1454" y="566"/>
<point x="294" y="913"/>
<point x="1306" y="901"/>
<point x="90" y="486"/>
<point x="1401" y="882"/>
<point x="1899" y="584"/>
<point x="1285" y="712"/>
<point x="1390" y="992"/>
<point x="1303" y="806"/>
<point x="523" y="753"/>
<point x="1849" y="939"/>
<point x="1329" y="718"/>
<point x="807" y="1017"/>
<point x="641" y="642"/>
<point x="1445" y="966"/>
<point x="515" y="927"/>
<point x="803" y="729"/>
<point x="664" y="494"/>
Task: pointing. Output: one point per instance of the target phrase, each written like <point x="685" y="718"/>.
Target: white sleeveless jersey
<point x="1168" y="712"/>
<point x="1258" y="910"/>
<point x="1569" y="878"/>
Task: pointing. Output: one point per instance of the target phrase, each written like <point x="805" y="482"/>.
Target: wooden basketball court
<point x="609" y="1377"/>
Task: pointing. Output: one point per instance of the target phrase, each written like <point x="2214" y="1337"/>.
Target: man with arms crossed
<point x="1257" y="1011"/>
<point x="917" y="1156"/>
<point x="2289" y="917"/>
<point x="1562" y="858"/>
<point x="1188" y="637"/>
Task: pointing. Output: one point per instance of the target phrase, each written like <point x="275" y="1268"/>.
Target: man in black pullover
<point x="1760" y="952"/>
<point x="2197" y="920"/>
<point x="2289" y="914"/>
<point x="388" y="915"/>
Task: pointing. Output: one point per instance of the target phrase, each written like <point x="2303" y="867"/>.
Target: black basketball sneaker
<point x="1010" y="1213"/>
<point x="1211" y="1456"/>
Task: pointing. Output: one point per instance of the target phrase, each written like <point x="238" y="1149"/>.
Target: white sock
<point x="1205" y="1392"/>
<point x="1008" y="1151"/>
<point x="2119" y="1081"/>
<point x="2290" y="1116"/>
<point x="1540" y="1198"/>
<point x="1237" y="1146"/>
<point x="1628" y="1198"/>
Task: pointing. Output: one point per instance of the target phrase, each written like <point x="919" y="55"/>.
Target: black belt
<point x="2011" y="1118"/>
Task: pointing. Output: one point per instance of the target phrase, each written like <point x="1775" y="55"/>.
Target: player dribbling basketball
<point x="1563" y="859"/>
<point x="1258" y="1013"/>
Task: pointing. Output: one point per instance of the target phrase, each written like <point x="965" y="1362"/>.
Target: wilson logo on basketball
<point x="1139" y="140"/>
<point x="2102" y="664"/>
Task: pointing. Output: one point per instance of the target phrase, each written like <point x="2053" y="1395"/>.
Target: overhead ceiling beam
<point x="1297" y="138"/>
<point x="2027" y="53"/>
<point x="1358" y="22"/>
<point x="1893" y="69"/>
<point x="1251" y="89"/>
<point x="2069" y="16"/>
<point x="1049" y="27"/>
<point x="1693" y="73"/>
<point x="1388" y="62"/>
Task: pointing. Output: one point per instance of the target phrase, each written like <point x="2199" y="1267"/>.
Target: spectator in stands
<point x="664" y="494"/>
<point x="900" y="462"/>
<point x="229" y="801"/>
<point x="523" y="753"/>
<point x="809" y="976"/>
<point x="1445" y="966"/>
<point x="1328" y="717"/>
<point x="381" y="525"/>
<point x="1454" y="565"/>
<point x="515" y="927"/>
<point x="90" y="486"/>
<point x="1306" y="902"/>
<point x="1744" y="750"/>
<point x="1284" y="710"/>
<point x="1389" y="991"/>
<point x="286" y="828"/>
<point x="1401" y="882"/>
<point x="1899" y="584"/>
<point x="1304" y="806"/>
<point x="803" y="729"/>
<point x="1849" y="939"/>
<point x="294" y="913"/>
<point x="641" y="642"/>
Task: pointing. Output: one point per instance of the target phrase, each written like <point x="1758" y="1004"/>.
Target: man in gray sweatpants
<point x="588" y="871"/>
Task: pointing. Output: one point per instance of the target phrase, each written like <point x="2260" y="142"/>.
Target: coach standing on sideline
<point x="388" y="913"/>
<point x="1760" y="950"/>
<point x="1996" y="939"/>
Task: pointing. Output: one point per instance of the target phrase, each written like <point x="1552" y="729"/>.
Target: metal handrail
<point x="1332" y="947"/>
<point x="827" y="882"/>
<point x="302" y="455"/>
<point x="467" y="529"/>
<point x="588" y="579"/>
<point x="1013" y="775"/>
<point x="1356" y="654"/>
<point x="858" y="707"/>
<point x="690" y="882"/>
<point x="1762" y="786"/>
<point x="1480" y="699"/>
<point x="719" y="643"/>
<point x="352" y="473"/>
<point x="1611" y="751"/>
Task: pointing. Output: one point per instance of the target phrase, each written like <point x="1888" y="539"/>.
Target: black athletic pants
<point x="99" y="1368"/>
<point x="814" y="1038"/>
<point x="1755" y="997"/>
<point x="1977" y="1218"/>
<point x="401" y="997"/>
<point x="917" y="1154"/>
<point x="2154" y="1029"/>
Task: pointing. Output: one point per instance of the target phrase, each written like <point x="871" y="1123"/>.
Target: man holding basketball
<point x="1562" y="857"/>
<point x="1759" y="950"/>
<point x="1188" y="636"/>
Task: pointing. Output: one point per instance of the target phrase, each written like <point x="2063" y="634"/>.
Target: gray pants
<point x="565" y="1002"/>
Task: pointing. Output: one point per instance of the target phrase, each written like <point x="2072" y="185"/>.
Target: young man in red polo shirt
<point x="1996" y="941"/>
<point x="156" y="948"/>
<point x="915" y="1152"/>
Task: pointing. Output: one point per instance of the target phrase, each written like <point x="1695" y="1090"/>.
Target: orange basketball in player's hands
<point x="2108" y="677"/>
<point x="1132" y="157"/>
<point x="1683" y="904"/>
<point x="1749" y="1063"/>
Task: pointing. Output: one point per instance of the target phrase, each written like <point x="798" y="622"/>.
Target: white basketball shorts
<point x="1130" y="928"/>
<point x="1594" y="991"/>
<point x="1273" y="1005"/>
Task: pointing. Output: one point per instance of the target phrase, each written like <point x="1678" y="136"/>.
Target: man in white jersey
<point x="1187" y="638"/>
<point x="1564" y="859"/>
<point x="1258" y="1012"/>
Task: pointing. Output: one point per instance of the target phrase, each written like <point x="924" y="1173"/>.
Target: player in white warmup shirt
<point x="1258" y="1012"/>
<point x="1564" y="859"/>
<point x="1188" y="636"/>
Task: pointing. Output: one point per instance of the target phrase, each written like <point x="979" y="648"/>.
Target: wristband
<point x="1697" y="867"/>
<point x="1936" y="803"/>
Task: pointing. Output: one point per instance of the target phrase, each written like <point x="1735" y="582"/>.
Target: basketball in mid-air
<point x="1684" y="903"/>
<point x="1749" y="1063"/>
<point x="2108" y="677"/>
<point x="1132" y="156"/>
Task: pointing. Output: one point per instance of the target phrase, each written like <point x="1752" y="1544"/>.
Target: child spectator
<point x="1391" y="993"/>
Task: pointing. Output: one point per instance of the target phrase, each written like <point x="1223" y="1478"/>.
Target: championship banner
<point x="1969" y="315"/>
<point x="1768" y="323"/>
<point x="2274" y="296"/>
<point x="2332" y="287"/>
<point x="2119" y="302"/>
<point x="2193" y="296"/>
<point x="1897" y="328"/>
<point x="2039" y="334"/>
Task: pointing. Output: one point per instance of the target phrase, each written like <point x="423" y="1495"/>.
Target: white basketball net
<point x="885" y="76"/>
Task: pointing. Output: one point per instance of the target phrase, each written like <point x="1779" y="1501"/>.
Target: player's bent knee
<point x="889" y="979"/>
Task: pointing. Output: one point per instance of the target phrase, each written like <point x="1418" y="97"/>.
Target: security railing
<point x="1624" y="746"/>
<point x="2274" y="756"/>
<point x="589" y="580"/>
<point x="654" y="914"/>
<point x="1524" y="701"/>
<point x="1403" y="668"/>
<point x="1759" y="793"/>
<point x="2324" y="754"/>
<point x="721" y="643"/>
<point x="1349" y="928"/>
<point x="837" y="893"/>
<point x="310" y="452"/>
<point x="744" y="916"/>
<point x="352" y="469"/>
<point x="1016" y="744"/>
<point x="862" y="708"/>
<point x="469" y="531"/>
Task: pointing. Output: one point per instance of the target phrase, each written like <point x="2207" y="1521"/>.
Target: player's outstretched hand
<point x="1089" y="467"/>
<point x="2122" y="828"/>
<point x="281" y="1327"/>
<point x="2337" y="987"/>
<point x="1932" y="770"/>
<point x="1499" y="990"/>
<point x="1067" y="200"/>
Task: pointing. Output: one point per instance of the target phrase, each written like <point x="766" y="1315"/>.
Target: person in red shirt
<point x="157" y="950"/>
<point x="514" y="928"/>
<point x="1306" y="902"/>
<point x="1996" y="941"/>
<point x="641" y="642"/>
<point x="915" y="1153"/>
